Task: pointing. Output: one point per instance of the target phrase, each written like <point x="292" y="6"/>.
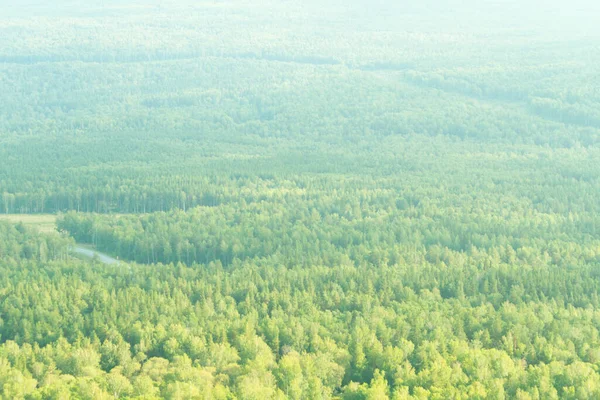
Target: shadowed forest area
<point x="309" y="200"/>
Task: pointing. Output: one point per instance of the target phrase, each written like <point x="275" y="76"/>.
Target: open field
<point x="44" y="223"/>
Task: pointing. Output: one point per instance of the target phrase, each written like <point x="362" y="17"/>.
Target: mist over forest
<point x="299" y="199"/>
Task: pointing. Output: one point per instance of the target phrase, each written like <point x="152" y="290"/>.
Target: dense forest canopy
<point x="308" y="199"/>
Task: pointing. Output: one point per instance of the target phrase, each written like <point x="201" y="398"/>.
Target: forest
<point x="356" y="200"/>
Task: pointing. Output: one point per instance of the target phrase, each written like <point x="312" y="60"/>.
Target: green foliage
<point x="257" y="330"/>
<point x="308" y="201"/>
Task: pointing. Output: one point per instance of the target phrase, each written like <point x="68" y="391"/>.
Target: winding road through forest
<point x="106" y="259"/>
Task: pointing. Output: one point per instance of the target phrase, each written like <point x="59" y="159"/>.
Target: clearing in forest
<point x="45" y="223"/>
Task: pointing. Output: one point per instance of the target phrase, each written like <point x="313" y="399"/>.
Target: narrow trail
<point x="104" y="258"/>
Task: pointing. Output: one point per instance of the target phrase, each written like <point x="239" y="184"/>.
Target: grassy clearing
<point x="45" y="223"/>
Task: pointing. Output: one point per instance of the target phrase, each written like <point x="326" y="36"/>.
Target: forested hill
<point x="310" y="199"/>
<point x="149" y="108"/>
